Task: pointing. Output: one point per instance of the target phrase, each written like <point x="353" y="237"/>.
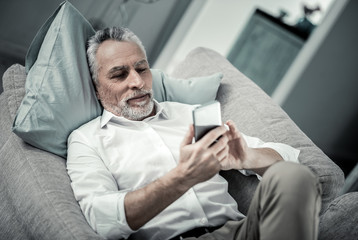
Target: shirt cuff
<point x="110" y="218"/>
<point x="287" y="152"/>
<point x="250" y="173"/>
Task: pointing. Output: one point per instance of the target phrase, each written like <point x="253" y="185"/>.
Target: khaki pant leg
<point x="285" y="206"/>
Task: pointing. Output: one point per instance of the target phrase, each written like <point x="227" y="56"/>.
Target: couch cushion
<point x="58" y="86"/>
<point x="194" y="90"/>
<point x="339" y="220"/>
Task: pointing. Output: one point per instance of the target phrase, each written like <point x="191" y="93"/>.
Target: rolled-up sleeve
<point x="96" y="190"/>
<point x="287" y="152"/>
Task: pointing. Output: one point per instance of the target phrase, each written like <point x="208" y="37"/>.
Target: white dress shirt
<point x="111" y="156"/>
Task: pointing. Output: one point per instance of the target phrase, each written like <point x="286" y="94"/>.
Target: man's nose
<point x="135" y="80"/>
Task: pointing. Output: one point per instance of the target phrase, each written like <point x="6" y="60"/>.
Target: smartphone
<point x="205" y="118"/>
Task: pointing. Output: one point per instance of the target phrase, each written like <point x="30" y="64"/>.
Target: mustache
<point x="138" y="93"/>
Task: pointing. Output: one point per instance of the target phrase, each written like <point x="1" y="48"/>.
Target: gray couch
<point x="36" y="199"/>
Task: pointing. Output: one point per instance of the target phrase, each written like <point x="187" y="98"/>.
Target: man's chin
<point x="139" y="112"/>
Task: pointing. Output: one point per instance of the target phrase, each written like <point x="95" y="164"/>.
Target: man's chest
<point x="139" y="155"/>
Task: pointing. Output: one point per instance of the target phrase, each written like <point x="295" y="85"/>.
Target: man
<point x="136" y="172"/>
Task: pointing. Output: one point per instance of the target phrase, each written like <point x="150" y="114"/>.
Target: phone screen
<point x="205" y="118"/>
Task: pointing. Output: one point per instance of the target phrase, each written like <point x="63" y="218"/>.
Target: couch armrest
<point x="36" y="200"/>
<point x="255" y="114"/>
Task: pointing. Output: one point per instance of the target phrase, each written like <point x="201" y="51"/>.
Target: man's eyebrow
<point x="144" y="61"/>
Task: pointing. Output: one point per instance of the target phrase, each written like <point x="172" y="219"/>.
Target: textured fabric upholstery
<point x="36" y="199"/>
<point x="340" y="220"/>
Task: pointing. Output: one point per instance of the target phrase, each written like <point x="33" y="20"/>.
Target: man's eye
<point x="119" y="76"/>
<point x="141" y="70"/>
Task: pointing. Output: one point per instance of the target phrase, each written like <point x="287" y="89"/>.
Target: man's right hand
<point x="200" y="161"/>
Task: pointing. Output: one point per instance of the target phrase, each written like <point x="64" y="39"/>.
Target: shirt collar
<point x="108" y="116"/>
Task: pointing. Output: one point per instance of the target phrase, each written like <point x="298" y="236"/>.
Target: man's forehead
<point x="115" y="53"/>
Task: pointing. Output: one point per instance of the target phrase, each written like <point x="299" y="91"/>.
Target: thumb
<point x="232" y="126"/>
<point x="188" y="138"/>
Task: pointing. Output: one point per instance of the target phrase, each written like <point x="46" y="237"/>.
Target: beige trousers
<point x="286" y="205"/>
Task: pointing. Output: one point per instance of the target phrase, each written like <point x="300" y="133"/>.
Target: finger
<point x="233" y="131"/>
<point x="212" y="136"/>
<point x="232" y="126"/>
<point x="223" y="154"/>
<point x="188" y="138"/>
<point x="224" y="162"/>
<point x="219" y="144"/>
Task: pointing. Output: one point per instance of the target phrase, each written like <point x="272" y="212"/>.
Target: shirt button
<point x="203" y="221"/>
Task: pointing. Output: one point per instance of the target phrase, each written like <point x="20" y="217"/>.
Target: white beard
<point x="141" y="111"/>
<point x="137" y="113"/>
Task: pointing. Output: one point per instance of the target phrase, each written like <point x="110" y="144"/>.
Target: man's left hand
<point x="241" y="156"/>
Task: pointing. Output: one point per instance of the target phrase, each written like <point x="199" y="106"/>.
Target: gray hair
<point x="114" y="33"/>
